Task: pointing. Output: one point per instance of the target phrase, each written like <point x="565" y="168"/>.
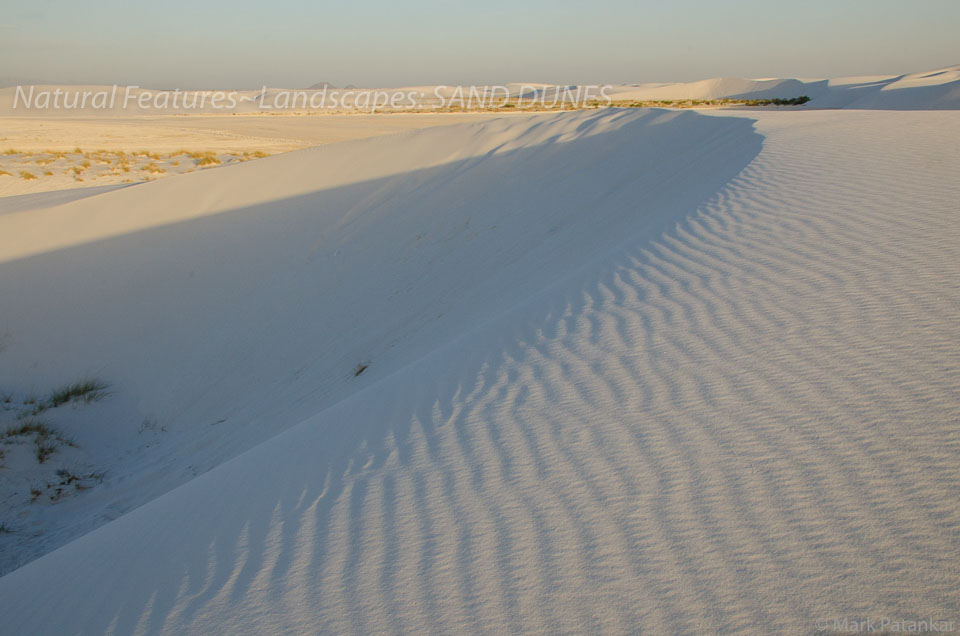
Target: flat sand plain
<point x="227" y="137"/>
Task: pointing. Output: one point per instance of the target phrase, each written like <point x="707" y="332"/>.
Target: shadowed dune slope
<point x="228" y="305"/>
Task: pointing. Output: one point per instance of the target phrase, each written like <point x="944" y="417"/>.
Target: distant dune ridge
<point x="589" y="372"/>
<point x="929" y="90"/>
<point x="938" y="89"/>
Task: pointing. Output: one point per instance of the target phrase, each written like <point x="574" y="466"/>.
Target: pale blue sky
<point x="295" y="43"/>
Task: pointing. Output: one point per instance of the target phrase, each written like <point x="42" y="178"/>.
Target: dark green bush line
<point x="692" y="103"/>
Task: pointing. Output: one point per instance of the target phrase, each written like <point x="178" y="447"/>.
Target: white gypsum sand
<point x="119" y="150"/>
<point x="621" y="370"/>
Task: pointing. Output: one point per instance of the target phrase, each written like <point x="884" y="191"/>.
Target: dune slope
<point x="226" y="306"/>
<point x="745" y="417"/>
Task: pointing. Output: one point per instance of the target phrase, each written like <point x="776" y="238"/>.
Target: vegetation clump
<point x="86" y="391"/>
<point x="46" y="439"/>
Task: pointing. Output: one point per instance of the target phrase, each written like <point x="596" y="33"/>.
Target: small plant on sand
<point x="27" y="176"/>
<point x="45" y="439"/>
<point x="61" y="486"/>
<point x="4" y="173"/>
<point x="45" y="448"/>
<point x="205" y="158"/>
<point x="11" y="151"/>
<point x="89" y="390"/>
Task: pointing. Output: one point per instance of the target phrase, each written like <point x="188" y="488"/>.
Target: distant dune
<point x="929" y="90"/>
<point x="939" y="89"/>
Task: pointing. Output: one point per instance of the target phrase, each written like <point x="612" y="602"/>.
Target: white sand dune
<point x="937" y="89"/>
<point x="149" y="143"/>
<point x="716" y="88"/>
<point x="230" y="304"/>
<point x="929" y="90"/>
<point x="629" y="371"/>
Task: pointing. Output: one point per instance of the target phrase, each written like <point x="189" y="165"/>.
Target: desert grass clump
<point x="149" y="155"/>
<point x="46" y="440"/>
<point x="11" y="151"/>
<point x="86" y="391"/>
<point x="32" y="427"/>
<point x="45" y="448"/>
<point x="78" y="481"/>
<point x="27" y="176"/>
<point x="4" y="173"/>
<point x="65" y="478"/>
<point x="207" y="158"/>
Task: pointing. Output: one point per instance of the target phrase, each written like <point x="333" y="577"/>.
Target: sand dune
<point x="716" y="88"/>
<point x="928" y="90"/>
<point x="605" y="393"/>
<point x="227" y="305"/>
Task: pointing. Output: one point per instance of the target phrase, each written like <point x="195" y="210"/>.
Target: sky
<point x="297" y="43"/>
